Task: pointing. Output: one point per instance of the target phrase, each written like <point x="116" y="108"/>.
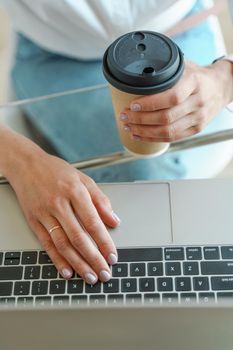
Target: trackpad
<point x="144" y="210"/>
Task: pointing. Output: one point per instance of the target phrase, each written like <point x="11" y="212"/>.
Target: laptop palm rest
<point x="144" y="209"/>
<point x="180" y="212"/>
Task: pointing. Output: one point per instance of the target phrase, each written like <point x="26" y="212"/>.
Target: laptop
<point x="172" y="287"/>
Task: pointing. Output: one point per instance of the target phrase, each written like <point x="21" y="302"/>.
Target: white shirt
<point x="85" y="28"/>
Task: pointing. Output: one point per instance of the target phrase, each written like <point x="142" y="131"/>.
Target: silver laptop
<point x="172" y="287"/>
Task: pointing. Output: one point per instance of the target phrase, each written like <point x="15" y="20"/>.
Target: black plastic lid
<point x="143" y="63"/>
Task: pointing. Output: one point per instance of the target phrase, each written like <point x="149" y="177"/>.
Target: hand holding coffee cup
<point x="137" y="64"/>
<point x="183" y="110"/>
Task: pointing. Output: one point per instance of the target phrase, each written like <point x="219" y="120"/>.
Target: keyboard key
<point x="140" y="254"/>
<point x="5" y="288"/>
<point x="200" y="283"/>
<point x="97" y="299"/>
<point x="1" y="258"/>
<point x="8" y="301"/>
<point x="57" y="287"/>
<point x="10" y="261"/>
<point x="146" y="284"/>
<point x="43" y="301"/>
<point x="39" y="287"/>
<point x="170" y="298"/>
<point x="188" y="298"/>
<point x="120" y="270"/>
<point x="32" y="272"/>
<point x="75" y="286"/>
<point x="222" y="283"/>
<point x="112" y="286"/>
<point x="217" y="267"/>
<point x="155" y="269"/>
<point x="49" y="271"/>
<point x="25" y="301"/>
<point x="225" y="296"/>
<point x="96" y="288"/>
<point x="193" y="253"/>
<point x="183" y="284"/>
<point x="211" y="253"/>
<point x="12" y="258"/>
<point x="133" y="299"/>
<point x="137" y="269"/>
<point x="191" y="268"/>
<point x="12" y="255"/>
<point x="129" y="285"/>
<point x="151" y="298"/>
<point x="61" y="300"/>
<point x="11" y="273"/>
<point x="227" y="252"/>
<point x="172" y="268"/>
<point x="22" y="288"/>
<point x="44" y="258"/>
<point x="206" y="298"/>
<point x="115" y="299"/>
<point x="79" y="300"/>
<point x="164" y="284"/>
<point x="29" y="258"/>
<point x="176" y="253"/>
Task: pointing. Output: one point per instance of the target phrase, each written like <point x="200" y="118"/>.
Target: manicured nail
<point x="67" y="273"/>
<point x="127" y="128"/>
<point x="112" y="259"/>
<point x="123" y="117"/>
<point x="90" y="278"/>
<point x="136" y="138"/>
<point x="105" y="276"/>
<point x="135" y="107"/>
<point x="115" y="217"/>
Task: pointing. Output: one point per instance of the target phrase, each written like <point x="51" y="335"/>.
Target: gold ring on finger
<point x="53" y="229"/>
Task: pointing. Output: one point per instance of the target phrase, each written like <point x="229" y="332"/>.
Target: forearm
<point x="16" y="152"/>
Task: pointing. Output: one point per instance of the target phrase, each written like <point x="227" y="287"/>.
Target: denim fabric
<point x="81" y="126"/>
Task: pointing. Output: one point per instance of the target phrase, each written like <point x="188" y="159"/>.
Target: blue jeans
<point x="82" y="126"/>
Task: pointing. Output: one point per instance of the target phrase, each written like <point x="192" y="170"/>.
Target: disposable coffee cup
<point x="137" y="64"/>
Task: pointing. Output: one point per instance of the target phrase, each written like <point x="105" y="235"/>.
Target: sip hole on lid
<point x="148" y="71"/>
<point x="138" y="36"/>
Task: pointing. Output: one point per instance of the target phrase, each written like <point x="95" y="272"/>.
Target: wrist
<point x="223" y="69"/>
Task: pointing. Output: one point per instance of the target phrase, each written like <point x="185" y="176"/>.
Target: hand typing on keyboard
<point x="62" y="205"/>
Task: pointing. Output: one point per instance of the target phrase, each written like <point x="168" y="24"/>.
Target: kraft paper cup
<point x="138" y="64"/>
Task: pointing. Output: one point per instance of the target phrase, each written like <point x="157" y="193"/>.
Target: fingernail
<point x="90" y="278"/>
<point x="105" y="276"/>
<point x="67" y="273"/>
<point x="115" y="217"/>
<point x="112" y="259"/>
<point x="127" y="128"/>
<point x="123" y="117"/>
<point x="136" y="138"/>
<point x="135" y="107"/>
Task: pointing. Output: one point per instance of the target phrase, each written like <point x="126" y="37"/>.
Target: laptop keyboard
<point x="173" y="275"/>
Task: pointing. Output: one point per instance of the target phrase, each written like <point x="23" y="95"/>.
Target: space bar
<point x="140" y="254"/>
